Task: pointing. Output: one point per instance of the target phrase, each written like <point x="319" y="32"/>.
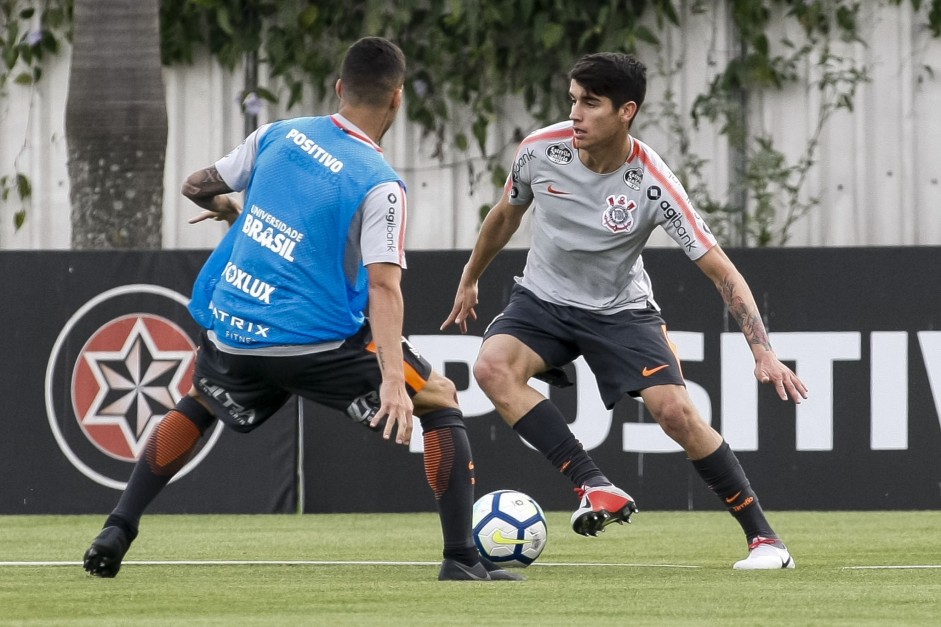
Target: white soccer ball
<point x="509" y="528"/>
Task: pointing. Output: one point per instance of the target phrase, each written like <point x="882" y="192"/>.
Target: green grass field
<point x="668" y="568"/>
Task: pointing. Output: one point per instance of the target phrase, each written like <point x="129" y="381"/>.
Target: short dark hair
<point x="373" y="68"/>
<point x="614" y="75"/>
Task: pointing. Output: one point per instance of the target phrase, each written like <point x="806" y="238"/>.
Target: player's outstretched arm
<point x="207" y="189"/>
<point x="741" y="304"/>
<point x="498" y="227"/>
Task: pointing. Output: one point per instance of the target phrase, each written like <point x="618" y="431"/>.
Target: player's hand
<point x="464" y="303"/>
<point x="768" y="369"/>
<point x="222" y="208"/>
<point x="396" y="407"/>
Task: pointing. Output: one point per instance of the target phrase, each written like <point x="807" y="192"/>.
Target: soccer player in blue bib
<point x="303" y="296"/>
<point x="598" y="193"/>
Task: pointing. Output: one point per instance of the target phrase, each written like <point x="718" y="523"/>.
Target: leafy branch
<point x="467" y="56"/>
<point x="26" y="39"/>
<point x="774" y="186"/>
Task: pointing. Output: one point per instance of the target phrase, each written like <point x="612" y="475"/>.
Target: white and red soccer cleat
<point x="600" y="506"/>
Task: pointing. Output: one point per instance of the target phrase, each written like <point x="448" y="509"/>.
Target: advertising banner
<point x="861" y="327"/>
<point x="99" y="345"/>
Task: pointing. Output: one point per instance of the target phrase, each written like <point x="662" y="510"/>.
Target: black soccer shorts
<point x="245" y="390"/>
<point x="627" y="351"/>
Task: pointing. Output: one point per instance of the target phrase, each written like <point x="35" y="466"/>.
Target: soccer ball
<point x="509" y="528"/>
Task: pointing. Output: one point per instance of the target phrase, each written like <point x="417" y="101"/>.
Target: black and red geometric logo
<point x="119" y="365"/>
<point x="130" y="373"/>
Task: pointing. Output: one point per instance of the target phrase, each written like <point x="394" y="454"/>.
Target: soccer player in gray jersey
<point x="598" y="193"/>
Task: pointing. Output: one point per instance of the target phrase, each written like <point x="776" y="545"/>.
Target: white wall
<point x="877" y="173"/>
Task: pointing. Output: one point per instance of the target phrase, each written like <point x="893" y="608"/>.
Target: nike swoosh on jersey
<point x="557" y="192"/>
<point x="499" y="538"/>
<point x="651" y="371"/>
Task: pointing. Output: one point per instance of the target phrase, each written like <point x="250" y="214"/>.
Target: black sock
<point x="449" y="469"/>
<point x="545" y="428"/>
<point x="169" y="448"/>
<point x="724" y="475"/>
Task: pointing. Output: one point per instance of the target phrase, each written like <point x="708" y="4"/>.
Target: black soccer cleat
<point x="103" y="557"/>
<point x="498" y="573"/>
<point x="453" y="570"/>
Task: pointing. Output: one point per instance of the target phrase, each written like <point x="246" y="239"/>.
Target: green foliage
<point x="934" y="13"/>
<point x="773" y="186"/>
<point x="461" y="53"/>
<point x="466" y="56"/>
<point x="27" y="36"/>
<point x="18" y="184"/>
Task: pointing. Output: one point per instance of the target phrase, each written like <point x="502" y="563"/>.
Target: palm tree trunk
<point x="116" y="125"/>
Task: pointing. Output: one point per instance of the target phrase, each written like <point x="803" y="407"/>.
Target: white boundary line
<point x="393" y="563"/>
<point x="322" y="563"/>
<point x="595" y="564"/>
<point x="897" y="567"/>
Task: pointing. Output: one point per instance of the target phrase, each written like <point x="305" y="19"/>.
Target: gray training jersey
<point x="588" y="229"/>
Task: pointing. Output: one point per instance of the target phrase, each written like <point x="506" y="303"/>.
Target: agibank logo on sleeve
<point x="118" y="366"/>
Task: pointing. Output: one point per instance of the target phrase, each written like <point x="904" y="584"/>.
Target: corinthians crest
<point x="619" y="214"/>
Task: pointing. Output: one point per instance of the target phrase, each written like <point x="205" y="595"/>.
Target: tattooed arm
<point x="207" y="189"/>
<point x="743" y="308"/>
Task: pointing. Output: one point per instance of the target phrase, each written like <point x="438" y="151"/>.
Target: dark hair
<point x="372" y="69"/>
<point x="617" y="76"/>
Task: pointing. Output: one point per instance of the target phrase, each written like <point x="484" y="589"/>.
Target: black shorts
<point x="245" y="390"/>
<point x="627" y="351"/>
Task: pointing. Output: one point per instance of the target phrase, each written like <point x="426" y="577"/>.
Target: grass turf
<point x="639" y="583"/>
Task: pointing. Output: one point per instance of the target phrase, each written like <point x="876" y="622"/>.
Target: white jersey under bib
<point x="589" y="229"/>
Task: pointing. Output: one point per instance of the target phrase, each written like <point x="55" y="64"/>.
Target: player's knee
<point x="439" y="393"/>
<point x="442" y="386"/>
<point x="678" y="418"/>
<point x="490" y="373"/>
